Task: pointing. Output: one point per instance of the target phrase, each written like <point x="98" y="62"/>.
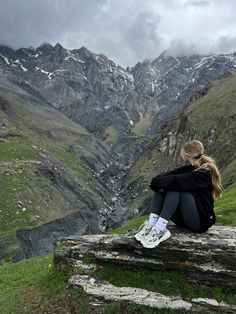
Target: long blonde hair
<point x="195" y="149"/>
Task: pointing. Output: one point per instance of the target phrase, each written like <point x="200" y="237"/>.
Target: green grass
<point x="228" y="175"/>
<point x="12" y="184"/>
<point x="17" y="148"/>
<point x="132" y="224"/>
<point x="19" y="182"/>
<point x="14" y="179"/>
<point x="167" y="283"/>
<point x="219" y="101"/>
<point x="141" y="126"/>
<point x="225" y="207"/>
<point x="112" y="135"/>
<point x="36" y="286"/>
<point x="59" y="148"/>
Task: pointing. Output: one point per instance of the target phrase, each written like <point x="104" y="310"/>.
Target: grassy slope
<point x="28" y="128"/>
<point x="19" y="183"/>
<point x="217" y="111"/>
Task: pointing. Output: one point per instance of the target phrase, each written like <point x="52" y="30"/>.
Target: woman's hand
<point x="154" y="185"/>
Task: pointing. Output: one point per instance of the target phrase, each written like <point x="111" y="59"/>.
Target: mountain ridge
<point x="116" y="105"/>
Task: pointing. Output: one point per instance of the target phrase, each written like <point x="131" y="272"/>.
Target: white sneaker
<point x="154" y="237"/>
<point x="143" y="230"/>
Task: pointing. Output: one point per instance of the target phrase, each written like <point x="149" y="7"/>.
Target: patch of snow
<point x="231" y="59"/>
<point x="71" y="56"/>
<point x="151" y="71"/>
<point x="23" y="68"/>
<point x="177" y="60"/>
<point x="203" y="61"/>
<point x="45" y="72"/>
<point x="125" y="74"/>
<point x="127" y="114"/>
<point x="5" y="59"/>
<point x="152" y="86"/>
<point x="50" y="74"/>
<point x="61" y="70"/>
<point x="17" y="61"/>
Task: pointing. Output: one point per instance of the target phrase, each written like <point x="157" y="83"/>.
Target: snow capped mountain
<point x="124" y="107"/>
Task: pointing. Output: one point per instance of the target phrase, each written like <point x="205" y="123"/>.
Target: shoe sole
<point x="150" y="246"/>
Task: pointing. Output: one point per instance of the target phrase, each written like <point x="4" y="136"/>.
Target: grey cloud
<point x="127" y="31"/>
<point x="226" y="44"/>
<point x="32" y="22"/>
<point x="179" y="47"/>
<point x="142" y="35"/>
<point x="199" y="4"/>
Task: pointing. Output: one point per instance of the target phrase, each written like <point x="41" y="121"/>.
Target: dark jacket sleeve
<point x="178" y="170"/>
<point x="189" y="181"/>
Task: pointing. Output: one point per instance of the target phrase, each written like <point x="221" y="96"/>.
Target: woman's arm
<point x="189" y="181"/>
<point x="178" y="170"/>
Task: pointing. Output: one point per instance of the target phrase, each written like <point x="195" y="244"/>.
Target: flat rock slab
<point x="208" y="258"/>
<point x="99" y="288"/>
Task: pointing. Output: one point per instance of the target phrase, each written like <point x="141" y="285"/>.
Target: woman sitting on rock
<point x="185" y="195"/>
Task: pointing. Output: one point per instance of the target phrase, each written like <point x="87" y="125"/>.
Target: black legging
<point x="180" y="207"/>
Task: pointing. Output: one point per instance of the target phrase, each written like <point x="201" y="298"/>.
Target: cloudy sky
<point x="126" y="31"/>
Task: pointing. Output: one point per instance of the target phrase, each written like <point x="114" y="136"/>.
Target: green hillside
<point x="41" y="162"/>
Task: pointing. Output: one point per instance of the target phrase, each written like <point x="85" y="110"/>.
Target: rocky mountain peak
<point x="46" y="47"/>
<point x="58" y="46"/>
<point x="107" y="99"/>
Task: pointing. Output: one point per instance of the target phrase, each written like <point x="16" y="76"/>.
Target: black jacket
<point x="194" y="180"/>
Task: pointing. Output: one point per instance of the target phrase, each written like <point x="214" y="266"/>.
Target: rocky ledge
<point x="207" y="258"/>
